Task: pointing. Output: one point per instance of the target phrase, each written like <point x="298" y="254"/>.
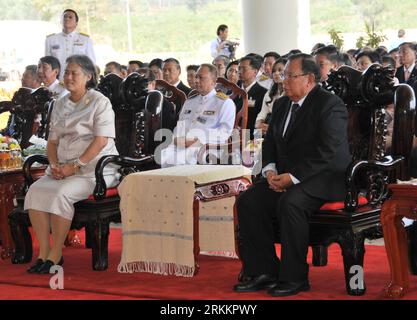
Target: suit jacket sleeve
<point x="333" y="132"/>
<point x="268" y="145"/>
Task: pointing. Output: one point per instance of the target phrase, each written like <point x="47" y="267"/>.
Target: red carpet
<point x="214" y="281"/>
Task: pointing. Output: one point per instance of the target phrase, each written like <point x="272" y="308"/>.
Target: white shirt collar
<point x="249" y="87"/>
<point x="301" y="101"/>
<point x="71" y="34"/>
<point x="177" y="83"/>
<point x="209" y="95"/>
<point x="53" y="84"/>
<point x="410" y="69"/>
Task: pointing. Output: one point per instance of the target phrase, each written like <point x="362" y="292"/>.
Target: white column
<point x="276" y="25"/>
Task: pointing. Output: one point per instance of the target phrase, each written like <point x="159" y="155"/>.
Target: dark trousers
<point x="259" y="209"/>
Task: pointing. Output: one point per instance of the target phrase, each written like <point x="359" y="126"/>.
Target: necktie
<point x="406" y="75"/>
<point x="294" y="108"/>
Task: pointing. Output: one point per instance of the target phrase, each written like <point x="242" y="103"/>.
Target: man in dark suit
<point x="171" y="71"/>
<point x="407" y="73"/>
<point x="248" y="69"/>
<point x="304" y="157"/>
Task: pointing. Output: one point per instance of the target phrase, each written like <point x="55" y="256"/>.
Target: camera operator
<point x="222" y="46"/>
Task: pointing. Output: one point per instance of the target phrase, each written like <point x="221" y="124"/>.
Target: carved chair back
<point x="172" y="94"/>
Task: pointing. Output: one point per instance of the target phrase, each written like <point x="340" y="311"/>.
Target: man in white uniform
<point x="48" y="71"/>
<point x="69" y="42"/>
<point x="208" y="117"/>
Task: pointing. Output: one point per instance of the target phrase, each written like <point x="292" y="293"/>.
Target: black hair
<point x="73" y="11"/>
<point x="117" y="65"/>
<point x="326" y="51"/>
<point x="221" y="28"/>
<point x="276" y="88"/>
<point x="139" y="63"/>
<point x="156" y="62"/>
<point x="147" y="73"/>
<point x="173" y="60"/>
<point x="87" y="66"/>
<point x="235" y="62"/>
<point x="53" y="62"/>
<point x="254" y="61"/>
<point x="372" y="55"/>
<point x="273" y="54"/>
<point x="390" y="60"/>
<point x="308" y="64"/>
<point x="193" y="67"/>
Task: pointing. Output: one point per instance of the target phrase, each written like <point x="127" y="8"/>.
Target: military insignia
<point x="84" y="34"/>
<point x="209" y="113"/>
<point x="202" y="120"/>
<point x="222" y="95"/>
<point x="263" y="78"/>
<point x="55" y="47"/>
<point x="78" y="43"/>
<point x="187" y="111"/>
<point x="251" y="103"/>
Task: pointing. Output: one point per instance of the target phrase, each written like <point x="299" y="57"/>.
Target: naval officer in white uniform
<point x="207" y="117"/>
<point x="69" y="41"/>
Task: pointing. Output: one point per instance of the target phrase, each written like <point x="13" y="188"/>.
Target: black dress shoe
<point x="261" y="282"/>
<point x="34" y="268"/>
<point x="46" y="266"/>
<point x="284" y="289"/>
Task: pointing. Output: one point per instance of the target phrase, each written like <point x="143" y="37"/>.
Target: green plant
<point x="337" y="38"/>
<point x="360" y="42"/>
<point x="374" y="39"/>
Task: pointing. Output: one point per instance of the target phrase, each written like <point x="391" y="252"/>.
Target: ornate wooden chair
<point x="349" y="222"/>
<point x="230" y="152"/>
<point x="102" y="207"/>
<point x="172" y="93"/>
<point x="24" y="108"/>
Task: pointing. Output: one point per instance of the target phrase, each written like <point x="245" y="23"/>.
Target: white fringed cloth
<point x="157" y="218"/>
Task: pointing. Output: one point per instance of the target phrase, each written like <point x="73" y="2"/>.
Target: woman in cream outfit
<point x="82" y="131"/>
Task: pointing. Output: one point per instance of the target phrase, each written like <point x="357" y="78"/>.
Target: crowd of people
<point x="301" y="167"/>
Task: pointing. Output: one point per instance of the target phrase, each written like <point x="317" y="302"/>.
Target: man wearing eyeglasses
<point x="304" y="157"/>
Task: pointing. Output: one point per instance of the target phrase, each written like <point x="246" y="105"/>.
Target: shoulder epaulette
<point x="52" y="34"/>
<point x="222" y="95"/>
<point x="263" y="78"/>
<point x="193" y="94"/>
<point x="84" y="34"/>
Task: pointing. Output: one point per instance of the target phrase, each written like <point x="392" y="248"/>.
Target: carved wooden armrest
<point x="387" y="164"/>
<point x="124" y="162"/>
<point x="27" y="165"/>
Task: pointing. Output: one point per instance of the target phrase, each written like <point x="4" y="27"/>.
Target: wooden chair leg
<point x="100" y="230"/>
<point x="353" y="251"/>
<point x="412" y="252"/>
<point x="319" y="256"/>
<point x="19" y="228"/>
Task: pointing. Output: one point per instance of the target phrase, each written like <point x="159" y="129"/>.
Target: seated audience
<point x="48" y="71"/>
<point x="304" y="163"/>
<point x="123" y="71"/>
<point x="265" y="80"/>
<point x="407" y="73"/>
<point x="221" y="62"/>
<point x="249" y="67"/>
<point x="134" y="65"/>
<point x="394" y="53"/>
<point x="82" y="131"/>
<point x="156" y="67"/>
<point x="191" y="72"/>
<point x="171" y="71"/>
<point x="30" y="78"/>
<point x="113" y="67"/>
<point x="276" y="91"/>
<point x="206" y="118"/>
<point x="365" y="58"/>
<point x="322" y="57"/>
<point x="232" y="72"/>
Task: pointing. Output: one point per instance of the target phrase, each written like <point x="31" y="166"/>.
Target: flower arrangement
<point x="8" y="143"/>
<point x="10" y="153"/>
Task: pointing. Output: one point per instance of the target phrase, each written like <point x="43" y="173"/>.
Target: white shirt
<point x="272" y="166"/>
<point x="57" y="89"/>
<point x="213" y="49"/>
<point x="210" y="118"/>
<point x="62" y="45"/>
<point x="410" y="69"/>
<point x="266" y="108"/>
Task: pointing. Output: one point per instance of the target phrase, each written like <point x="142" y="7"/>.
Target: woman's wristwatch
<point x="78" y="164"/>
